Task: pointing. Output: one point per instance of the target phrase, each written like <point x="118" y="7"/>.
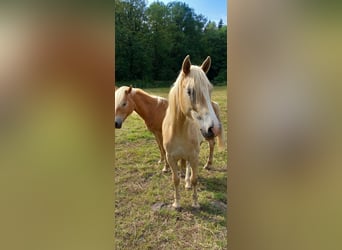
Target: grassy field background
<point x="140" y="184"/>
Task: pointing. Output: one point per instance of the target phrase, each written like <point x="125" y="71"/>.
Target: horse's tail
<point x="220" y="136"/>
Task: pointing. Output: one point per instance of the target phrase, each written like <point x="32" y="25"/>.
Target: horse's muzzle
<point x="211" y="132"/>
<point x="118" y="123"/>
<point x="208" y="134"/>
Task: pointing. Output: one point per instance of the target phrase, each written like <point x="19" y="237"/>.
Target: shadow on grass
<point x="213" y="210"/>
<point x="215" y="204"/>
<point x="207" y="212"/>
<point x="214" y="184"/>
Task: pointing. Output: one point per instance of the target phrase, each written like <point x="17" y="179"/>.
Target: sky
<point x="214" y="10"/>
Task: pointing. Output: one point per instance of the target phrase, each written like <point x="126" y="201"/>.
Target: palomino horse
<point x="152" y="110"/>
<point x="189" y="116"/>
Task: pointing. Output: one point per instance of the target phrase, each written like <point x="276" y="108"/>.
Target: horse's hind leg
<point x="194" y="180"/>
<point x="166" y="167"/>
<point x="176" y="180"/>
<point x="187" y="176"/>
<point x="182" y="168"/>
<point x="209" y="163"/>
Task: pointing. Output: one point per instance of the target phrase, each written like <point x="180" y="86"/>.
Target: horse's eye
<point x="189" y="92"/>
<point x="124" y="104"/>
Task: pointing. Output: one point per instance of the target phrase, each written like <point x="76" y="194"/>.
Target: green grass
<point x="140" y="183"/>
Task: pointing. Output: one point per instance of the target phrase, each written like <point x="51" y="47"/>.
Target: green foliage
<point x="151" y="42"/>
<point x="131" y="38"/>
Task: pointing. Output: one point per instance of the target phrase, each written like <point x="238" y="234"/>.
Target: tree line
<point x="152" y="41"/>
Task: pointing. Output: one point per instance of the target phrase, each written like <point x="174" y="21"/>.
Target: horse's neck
<point x="143" y="103"/>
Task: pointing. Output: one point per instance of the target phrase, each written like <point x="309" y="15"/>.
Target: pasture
<point x="143" y="194"/>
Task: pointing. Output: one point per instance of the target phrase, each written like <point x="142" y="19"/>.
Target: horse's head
<point x="195" y="97"/>
<point x="124" y="105"/>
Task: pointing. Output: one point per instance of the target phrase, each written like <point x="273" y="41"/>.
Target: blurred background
<point x="56" y="133"/>
<point x="284" y="109"/>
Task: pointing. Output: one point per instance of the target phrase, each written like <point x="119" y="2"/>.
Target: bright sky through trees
<point x="214" y="10"/>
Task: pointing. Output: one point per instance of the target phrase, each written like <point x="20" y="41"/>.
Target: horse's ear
<point x="206" y="64"/>
<point x="186" y="65"/>
<point x="129" y="90"/>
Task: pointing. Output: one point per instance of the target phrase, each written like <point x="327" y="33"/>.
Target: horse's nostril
<point x="117" y="125"/>
<point x="210" y="131"/>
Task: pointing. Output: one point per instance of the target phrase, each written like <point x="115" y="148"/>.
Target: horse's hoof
<point x="165" y="170"/>
<point x="207" y="167"/>
<point x="176" y="206"/>
<point x="188" y="186"/>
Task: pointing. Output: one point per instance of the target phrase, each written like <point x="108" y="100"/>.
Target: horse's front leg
<point x="175" y="179"/>
<point x="159" y="140"/>
<point x="209" y="163"/>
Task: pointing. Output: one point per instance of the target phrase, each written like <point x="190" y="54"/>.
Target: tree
<point x="158" y="16"/>
<point x="131" y="41"/>
<point x="215" y="40"/>
<point x="186" y="28"/>
<point x="220" y="24"/>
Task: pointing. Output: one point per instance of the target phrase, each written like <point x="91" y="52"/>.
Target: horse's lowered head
<point x="124" y="105"/>
<point x="195" y="97"/>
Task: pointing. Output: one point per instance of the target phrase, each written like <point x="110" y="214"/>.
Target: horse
<point x="189" y="117"/>
<point x="152" y="110"/>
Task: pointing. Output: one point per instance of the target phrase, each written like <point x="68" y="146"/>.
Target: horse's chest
<point x="154" y="123"/>
<point x="151" y="126"/>
<point x="181" y="140"/>
<point x="183" y="146"/>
